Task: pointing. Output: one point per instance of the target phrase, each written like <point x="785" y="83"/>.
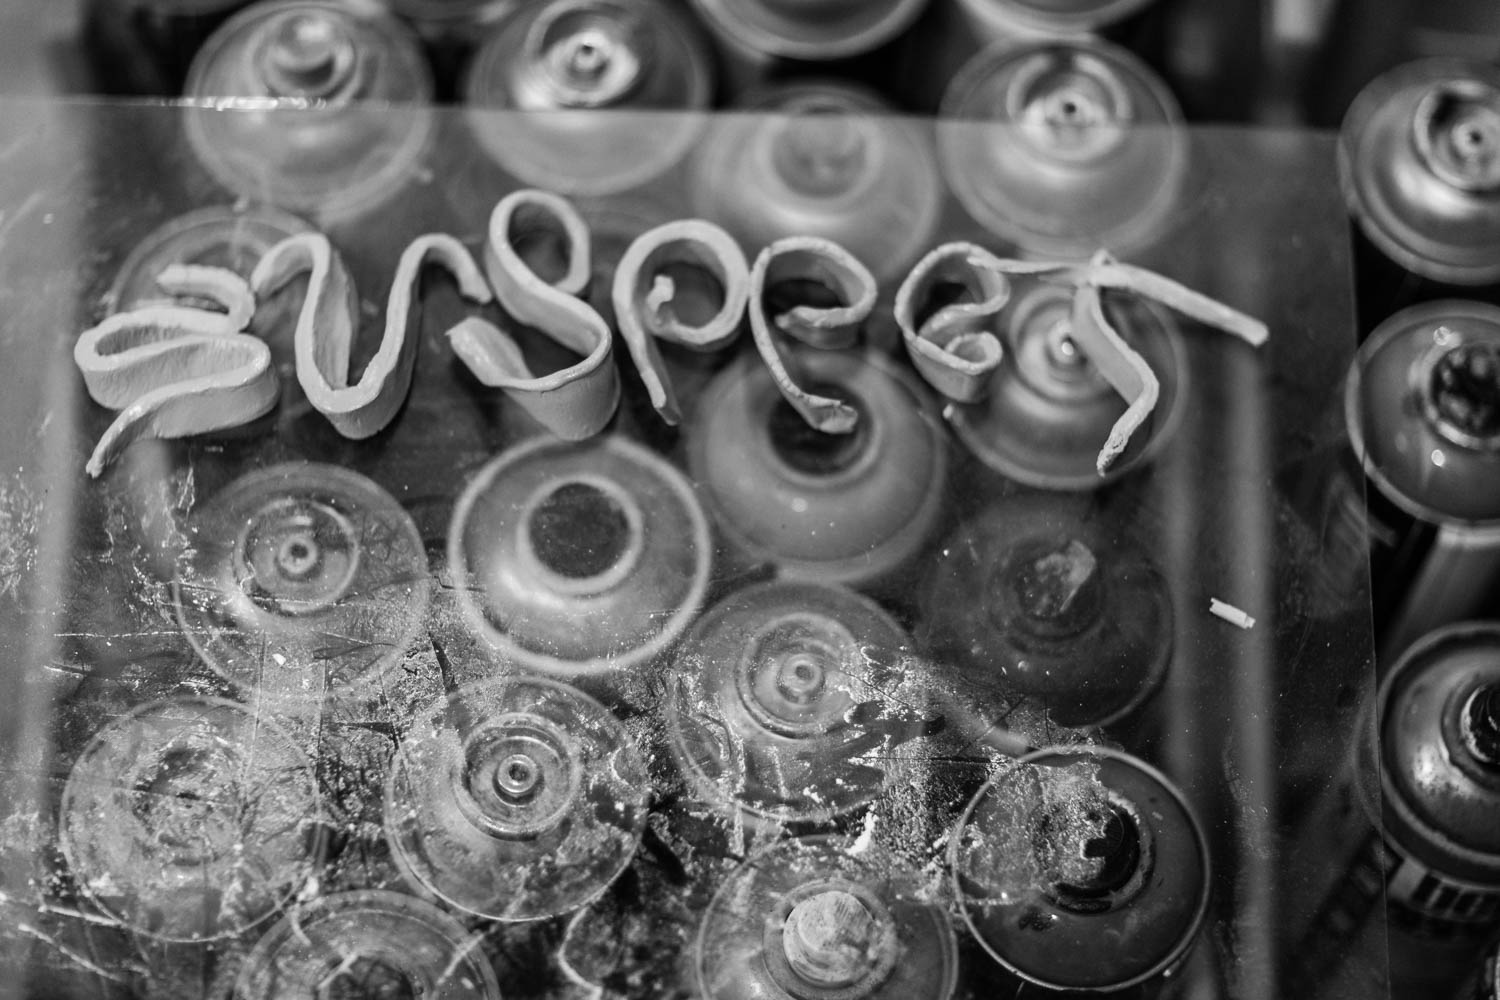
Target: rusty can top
<point x="350" y="86"/>
<point x="367" y="943"/>
<point x="822" y="158"/>
<point x="835" y="508"/>
<point x="1063" y="147"/>
<point x="1422" y="407"/>
<point x="1439" y="727"/>
<point x="1042" y="599"/>
<point x="1082" y="852"/>
<point x="579" y="559"/>
<point x="1010" y="18"/>
<point x="821" y="918"/>
<point x="584" y="56"/>
<point x="1419" y="162"/>
<point x="811" y="30"/>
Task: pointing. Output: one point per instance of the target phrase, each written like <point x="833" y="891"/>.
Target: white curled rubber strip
<point x="174" y="371"/>
<point x="643" y="295"/>
<point x="329" y="320"/>
<point x="1122" y="367"/>
<point x="811" y="258"/>
<point x="956" y="349"/>
<point x="575" y="402"/>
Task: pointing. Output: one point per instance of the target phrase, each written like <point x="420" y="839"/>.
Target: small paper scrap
<point x="1230" y="613"/>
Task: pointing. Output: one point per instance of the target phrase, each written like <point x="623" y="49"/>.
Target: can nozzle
<point x="1465" y="391"/>
<point x="1457" y="132"/>
<point x="308" y="55"/>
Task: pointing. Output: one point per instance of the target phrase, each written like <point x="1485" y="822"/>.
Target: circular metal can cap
<point x="218" y="236"/>
<point x="1063" y="147"/>
<point x="303" y="581"/>
<point x="1007" y="18"/>
<point x="1422" y="408"/>
<point x="1039" y="600"/>
<point x="835" y="508"/>
<point x="583" y="558"/>
<point x="785" y="701"/>
<point x="184" y="819"/>
<point x="1048" y="410"/>
<point x="515" y="799"/>
<point x="1437" y="724"/>
<point x="1419" y="162"/>
<point x="368" y="943"/>
<point x="821" y="158"/>
<point x="812" y="30"/>
<point x="592" y="71"/>
<point x="812" y="919"/>
<point x="1082" y="852"/>
<point x="320" y="106"/>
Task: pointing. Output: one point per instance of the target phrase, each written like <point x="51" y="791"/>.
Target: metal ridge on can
<point x="1062" y="147"/>
<point x="824" y="30"/>
<point x="582" y="57"/>
<point x="313" y="105"/>
<point x="1422" y="408"/>
<point x="1419" y="163"/>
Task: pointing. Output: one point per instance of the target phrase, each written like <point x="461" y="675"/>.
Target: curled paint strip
<point x="328" y="321"/>
<point x="1122" y="367"/>
<point x="956" y="349"/>
<point x="173" y="371"/>
<point x="575" y="402"/>
<point x="811" y="258"/>
<point x="643" y="294"/>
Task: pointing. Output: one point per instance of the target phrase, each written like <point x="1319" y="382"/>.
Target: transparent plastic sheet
<point x="1251" y="725"/>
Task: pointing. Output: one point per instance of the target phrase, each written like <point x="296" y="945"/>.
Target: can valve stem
<point x="1481" y="724"/>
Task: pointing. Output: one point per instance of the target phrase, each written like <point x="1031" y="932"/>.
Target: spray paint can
<point x="1062" y="147"/>
<point x="1044" y="601"/>
<point x="585" y="58"/>
<point x="1081" y="871"/>
<point x="1419" y="163"/>
<point x="145" y="46"/>
<point x="1411" y="826"/>
<point x="316" y="106"/>
<point x="1422" y="411"/>
<point x="821" y="158"/>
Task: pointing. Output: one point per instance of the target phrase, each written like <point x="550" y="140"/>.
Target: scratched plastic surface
<point x="1247" y="723"/>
